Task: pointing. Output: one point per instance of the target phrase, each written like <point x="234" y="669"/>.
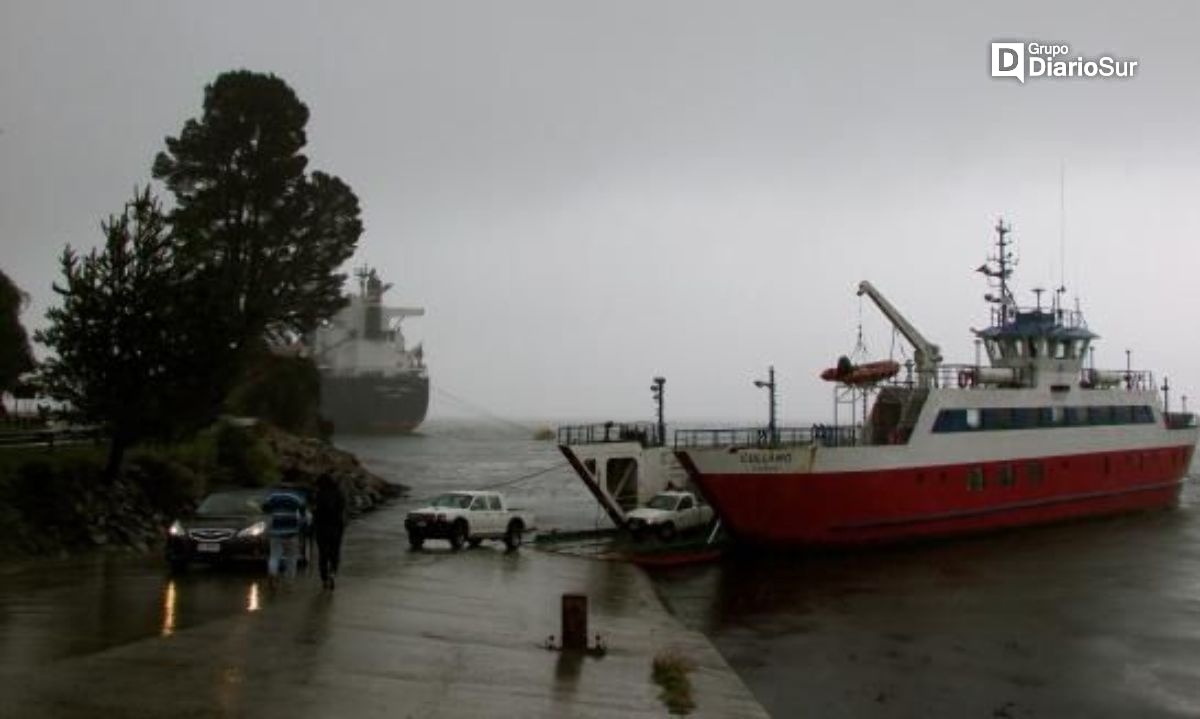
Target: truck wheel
<point x="458" y="535"/>
<point x="474" y="542"/>
<point x="667" y="532"/>
<point x="415" y="540"/>
<point x="513" y="537"/>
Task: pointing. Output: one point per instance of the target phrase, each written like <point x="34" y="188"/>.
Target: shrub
<point x="670" y="671"/>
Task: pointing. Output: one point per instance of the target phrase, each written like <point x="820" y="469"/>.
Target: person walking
<point x="285" y="522"/>
<point x="329" y="522"/>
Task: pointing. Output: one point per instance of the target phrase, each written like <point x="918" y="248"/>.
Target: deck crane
<point x="926" y="354"/>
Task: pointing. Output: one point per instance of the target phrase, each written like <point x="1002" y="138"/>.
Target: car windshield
<point x="231" y="503"/>
<point x="454" y="501"/>
<point x="663" y="501"/>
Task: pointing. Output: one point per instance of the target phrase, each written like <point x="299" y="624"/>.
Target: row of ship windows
<point x="1033" y="473"/>
<point x="993" y="418"/>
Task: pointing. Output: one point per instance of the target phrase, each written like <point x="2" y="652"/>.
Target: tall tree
<point x="120" y="340"/>
<point x="265" y="237"/>
<point x="15" y="357"/>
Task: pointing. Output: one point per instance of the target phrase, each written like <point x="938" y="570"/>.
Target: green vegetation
<point x="670" y="671"/>
<point x="171" y="323"/>
<point x="52" y="500"/>
<point x="121" y="343"/>
<point x="15" y="357"/>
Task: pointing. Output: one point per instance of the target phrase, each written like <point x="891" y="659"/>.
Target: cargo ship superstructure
<point x="371" y="383"/>
<point x="1034" y="435"/>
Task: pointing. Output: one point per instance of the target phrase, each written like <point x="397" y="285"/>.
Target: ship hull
<point x="374" y="404"/>
<point x="781" y="508"/>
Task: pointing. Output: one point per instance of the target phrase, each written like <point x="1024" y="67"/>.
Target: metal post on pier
<point x="657" y="390"/>
<point x="772" y="435"/>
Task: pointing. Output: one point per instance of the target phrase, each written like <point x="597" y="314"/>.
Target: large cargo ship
<point x="371" y="383"/>
<point x="1037" y="434"/>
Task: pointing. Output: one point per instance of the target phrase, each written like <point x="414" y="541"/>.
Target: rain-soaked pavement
<point x="1092" y="619"/>
<point x="419" y="634"/>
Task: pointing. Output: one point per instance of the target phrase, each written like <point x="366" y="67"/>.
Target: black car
<point x="227" y="526"/>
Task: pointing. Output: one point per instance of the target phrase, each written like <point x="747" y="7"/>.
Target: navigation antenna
<point x="1062" y="239"/>
<point x="1000" y="269"/>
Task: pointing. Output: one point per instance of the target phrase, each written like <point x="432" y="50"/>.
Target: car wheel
<point x="667" y="532"/>
<point x="415" y="540"/>
<point x="513" y="537"/>
<point x="458" y="535"/>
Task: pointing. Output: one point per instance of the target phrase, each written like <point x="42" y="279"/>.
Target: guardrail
<point x="1179" y="420"/>
<point x="645" y="433"/>
<point x="48" y="437"/>
<point x="820" y="434"/>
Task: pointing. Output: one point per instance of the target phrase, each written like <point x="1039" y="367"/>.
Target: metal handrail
<point x="645" y="433"/>
<point x="762" y="437"/>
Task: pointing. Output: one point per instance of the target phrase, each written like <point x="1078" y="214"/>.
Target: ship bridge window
<point x="1062" y="350"/>
<point x="1024" y="418"/>
<point x="1143" y="415"/>
<point x="1100" y="415"/>
<point x="1074" y="417"/>
<point x="997" y="418"/>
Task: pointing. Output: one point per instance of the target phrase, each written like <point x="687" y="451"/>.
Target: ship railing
<point x="1179" y="420"/>
<point x="645" y="433"/>
<point x="944" y="375"/>
<point x="825" y="435"/>
<point x="1133" y="380"/>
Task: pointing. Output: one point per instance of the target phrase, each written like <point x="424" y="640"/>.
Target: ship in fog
<point x="371" y="383"/>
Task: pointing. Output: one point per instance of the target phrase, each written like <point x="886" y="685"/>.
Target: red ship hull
<point x="892" y="505"/>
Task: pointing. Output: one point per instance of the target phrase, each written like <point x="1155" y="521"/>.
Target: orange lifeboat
<point x="868" y="373"/>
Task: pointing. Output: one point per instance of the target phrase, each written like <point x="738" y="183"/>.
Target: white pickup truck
<point x="468" y="518"/>
<point x="668" y="513"/>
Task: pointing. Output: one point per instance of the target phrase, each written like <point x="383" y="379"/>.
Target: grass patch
<point x="670" y="671"/>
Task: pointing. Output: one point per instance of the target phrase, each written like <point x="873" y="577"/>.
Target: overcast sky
<point x="585" y="195"/>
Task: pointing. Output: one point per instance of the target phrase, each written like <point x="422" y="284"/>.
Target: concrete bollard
<point x="575" y="622"/>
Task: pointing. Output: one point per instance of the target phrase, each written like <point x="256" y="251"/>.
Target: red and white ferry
<point x="1034" y="436"/>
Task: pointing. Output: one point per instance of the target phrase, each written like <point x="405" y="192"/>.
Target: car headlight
<point x="176" y="529"/>
<point x="254" y="530"/>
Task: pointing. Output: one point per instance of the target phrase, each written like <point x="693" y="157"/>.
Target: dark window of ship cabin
<point x="1099" y="415"/>
<point x="1143" y="415"/>
<point x="1004" y="475"/>
<point x="1024" y="417"/>
<point x="590" y="466"/>
<point x="1061" y="349"/>
<point x="997" y="418"/>
<point x="1045" y="416"/>
<point x="1033" y="348"/>
<point x="975" y="479"/>
<point x="1074" y="417"/>
<point x="1034" y="472"/>
<point x="951" y="420"/>
<point x="1123" y="414"/>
